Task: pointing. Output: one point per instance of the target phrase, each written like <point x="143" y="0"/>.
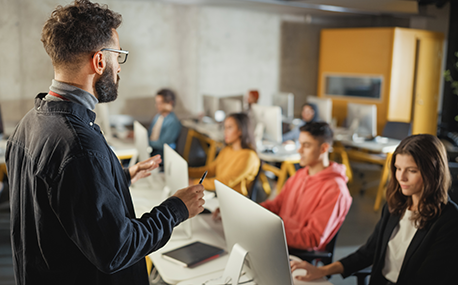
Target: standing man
<point x="314" y="202"/>
<point x="165" y="127"/>
<point x="72" y="216"/>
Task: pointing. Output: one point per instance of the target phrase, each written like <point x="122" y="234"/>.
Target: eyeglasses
<point x="122" y="57"/>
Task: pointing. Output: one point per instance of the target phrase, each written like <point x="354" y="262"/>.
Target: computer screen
<point x="270" y="117"/>
<point x="324" y="107"/>
<point x="211" y="105"/>
<point x="230" y="105"/>
<point x="175" y="170"/>
<point x="362" y="119"/>
<point x="141" y="141"/>
<point x="176" y="178"/>
<point x="267" y="259"/>
<point x="286" y="102"/>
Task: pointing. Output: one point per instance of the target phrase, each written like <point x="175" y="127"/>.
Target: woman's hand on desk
<point x="192" y="197"/>
<point x="143" y="169"/>
<point x="314" y="272"/>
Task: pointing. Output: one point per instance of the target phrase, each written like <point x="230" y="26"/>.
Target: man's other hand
<point x="143" y="169"/>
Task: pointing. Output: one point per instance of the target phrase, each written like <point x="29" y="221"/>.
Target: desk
<point x="123" y="149"/>
<point x="287" y="158"/>
<point x="144" y="199"/>
<point x="206" y="133"/>
<point x="360" y="151"/>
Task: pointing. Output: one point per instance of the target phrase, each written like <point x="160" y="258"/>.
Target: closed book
<point x="193" y="254"/>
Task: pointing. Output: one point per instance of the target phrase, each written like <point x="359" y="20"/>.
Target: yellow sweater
<point x="230" y="167"/>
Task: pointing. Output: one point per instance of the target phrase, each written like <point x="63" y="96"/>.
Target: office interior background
<point x="220" y="48"/>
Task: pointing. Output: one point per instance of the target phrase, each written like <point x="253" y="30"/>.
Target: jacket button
<point x="90" y="123"/>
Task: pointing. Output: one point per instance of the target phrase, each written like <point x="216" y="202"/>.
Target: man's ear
<point x="98" y="63"/>
<point x="324" y="147"/>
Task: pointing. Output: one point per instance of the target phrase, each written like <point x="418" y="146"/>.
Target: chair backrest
<point x="397" y="130"/>
<point x="332" y="244"/>
<point x="253" y="191"/>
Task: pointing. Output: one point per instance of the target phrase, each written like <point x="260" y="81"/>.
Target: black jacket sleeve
<point x="95" y="214"/>
<point x="364" y="256"/>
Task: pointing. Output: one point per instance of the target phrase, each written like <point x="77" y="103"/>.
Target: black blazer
<point x="431" y="258"/>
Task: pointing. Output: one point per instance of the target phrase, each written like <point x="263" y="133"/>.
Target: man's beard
<point x="105" y="87"/>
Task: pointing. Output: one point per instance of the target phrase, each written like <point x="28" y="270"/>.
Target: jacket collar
<point x="64" y="107"/>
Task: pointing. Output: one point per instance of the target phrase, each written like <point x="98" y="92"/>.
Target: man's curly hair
<point x="78" y="29"/>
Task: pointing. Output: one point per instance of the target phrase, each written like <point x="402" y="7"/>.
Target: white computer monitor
<point x="362" y="119"/>
<point x="176" y="178"/>
<point x="265" y="251"/>
<point x="230" y="105"/>
<point x="270" y="118"/>
<point x="141" y="141"/>
<point x="175" y="171"/>
<point x="211" y="105"/>
<point x="324" y="107"/>
<point x="286" y="102"/>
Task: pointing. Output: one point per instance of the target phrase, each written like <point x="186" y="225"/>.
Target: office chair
<point x="254" y="191"/>
<point x="314" y="257"/>
<point x="362" y="275"/>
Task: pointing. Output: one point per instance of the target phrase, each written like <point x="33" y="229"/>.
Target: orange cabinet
<point x="406" y="63"/>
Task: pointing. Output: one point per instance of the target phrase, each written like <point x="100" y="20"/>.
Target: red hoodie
<point x="313" y="207"/>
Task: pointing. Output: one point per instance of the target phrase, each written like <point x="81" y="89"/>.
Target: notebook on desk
<point x="193" y="254"/>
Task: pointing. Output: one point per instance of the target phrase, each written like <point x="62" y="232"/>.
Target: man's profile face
<point x="106" y="86"/>
<point x="310" y="149"/>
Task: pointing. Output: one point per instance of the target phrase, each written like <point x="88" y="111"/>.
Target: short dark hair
<point x="319" y="130"/>
<point x="78" y="29"/>
<point x="430" y="155"/>
<point x="168" y="96"/>
<point x="243" y="124"/>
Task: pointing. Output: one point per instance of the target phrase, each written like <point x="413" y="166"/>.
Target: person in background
<point x="252" y="97"/>
<point x="415" y="240"/>
<point x="165" y="127"/>
<point x="315" y="201"/>
<point x="237" y="164"/>
<point x="72" y="215"/>
<point x="309" y="114"/>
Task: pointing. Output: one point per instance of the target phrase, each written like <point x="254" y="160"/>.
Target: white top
<point x="397" y="247"/>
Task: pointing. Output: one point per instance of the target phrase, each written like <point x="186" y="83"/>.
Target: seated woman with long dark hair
<point x="237" y="164"/>
<point x="416" y="239"/>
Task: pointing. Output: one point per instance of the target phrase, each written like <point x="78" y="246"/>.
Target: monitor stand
<point x="233" y="270"/>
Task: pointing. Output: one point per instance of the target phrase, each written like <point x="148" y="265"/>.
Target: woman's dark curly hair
<point x="430" y="156"/>
<point x="78" y="29"/>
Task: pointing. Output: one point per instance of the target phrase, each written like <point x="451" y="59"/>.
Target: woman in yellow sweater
<point x="237" y="164"/>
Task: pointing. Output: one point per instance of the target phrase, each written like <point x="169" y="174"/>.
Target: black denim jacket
<point x="72" y="217"/>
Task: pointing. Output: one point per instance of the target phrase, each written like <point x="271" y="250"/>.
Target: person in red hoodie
<point x="314" y="202"/>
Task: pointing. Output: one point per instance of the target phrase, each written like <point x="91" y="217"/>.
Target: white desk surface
<point x="383" y="146"/>
<point x="204" y="229"/>
<point x="283" y="153"/>
<point x="214" y="131"/>
<point x="123" y="148"/>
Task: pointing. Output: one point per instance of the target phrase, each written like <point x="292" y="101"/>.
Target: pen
<point x="203" y="177"/>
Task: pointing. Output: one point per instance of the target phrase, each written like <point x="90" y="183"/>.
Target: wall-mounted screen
<point x="354" y="86"/>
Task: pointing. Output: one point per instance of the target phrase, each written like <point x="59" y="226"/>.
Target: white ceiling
<point x="368" y="7"/>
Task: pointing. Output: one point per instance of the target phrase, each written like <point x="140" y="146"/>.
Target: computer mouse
<point x="299" y="272"/>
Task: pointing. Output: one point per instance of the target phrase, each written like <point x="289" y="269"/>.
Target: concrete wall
<point x="194" y="50"/>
